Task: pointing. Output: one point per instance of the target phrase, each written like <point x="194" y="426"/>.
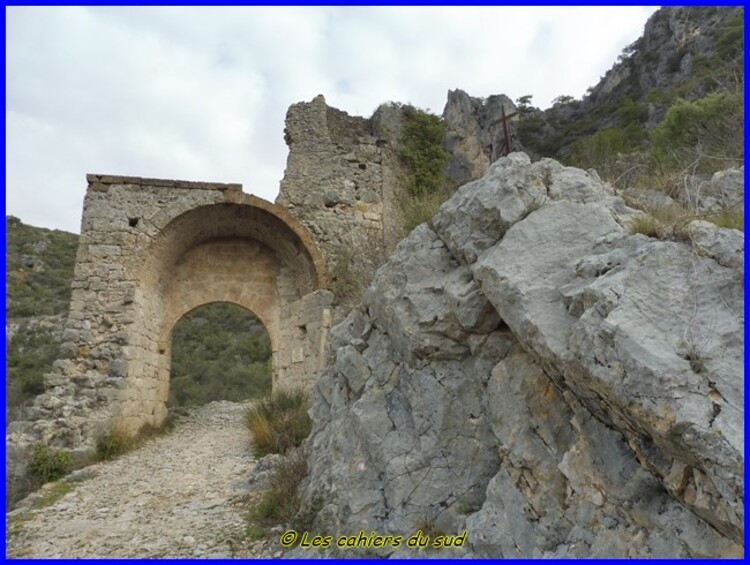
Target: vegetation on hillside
<point x="421" y="152"/>
<point x="661" y="139"/>
<point x="49" y="464"/>
<point x="279" y="422"/>
<point x="425" y="161"/>
<point x="706" y="132"/>
<point x="701" y="77"/>
<point x="39" y="269"/>
<point x="219" y="352"/>
<point x="29" y="355"/>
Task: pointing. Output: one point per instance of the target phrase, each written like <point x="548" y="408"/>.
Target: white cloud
<point x="201" y="93"/>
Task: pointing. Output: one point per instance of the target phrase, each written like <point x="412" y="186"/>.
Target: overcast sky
<point x="200" y="93"/>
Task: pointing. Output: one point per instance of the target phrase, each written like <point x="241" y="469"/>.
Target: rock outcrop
<point x="684" y="52"/>
<point x="527" y="370"/>
<point x="474" y="133"/>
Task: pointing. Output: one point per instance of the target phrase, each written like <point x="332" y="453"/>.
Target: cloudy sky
<point x="201" y="93"/>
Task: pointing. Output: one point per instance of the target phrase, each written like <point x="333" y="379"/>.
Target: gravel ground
<point x="184" y="494"/>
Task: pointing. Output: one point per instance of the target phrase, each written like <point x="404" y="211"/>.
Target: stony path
<point x="179" y="495"/>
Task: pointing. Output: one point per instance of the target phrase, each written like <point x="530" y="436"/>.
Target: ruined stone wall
<point x="341" y="181"/>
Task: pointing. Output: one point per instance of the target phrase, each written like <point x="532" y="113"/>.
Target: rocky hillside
<point x="684" y="53"/>
<point x="39" y="269"/>
<point x="527" y="368"/>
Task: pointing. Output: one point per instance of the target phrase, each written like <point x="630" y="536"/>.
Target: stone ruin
<point x="153" y="250"/>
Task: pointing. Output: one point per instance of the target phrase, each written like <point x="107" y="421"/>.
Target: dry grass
<point x="281" y="503"/>
<point x="416" y="210"/>
<point x="732" y="218"/>
<point x="279" y="422"/>
<point x="117" y="442"/>
<point x="646" y="225"/>
<point x="670" y="222"/>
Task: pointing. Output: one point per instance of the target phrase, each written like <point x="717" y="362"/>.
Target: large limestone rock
<point x="724" y="191"/>
<point x="525" y="369"/>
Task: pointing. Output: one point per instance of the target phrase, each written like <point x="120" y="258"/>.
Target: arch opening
<point x="218" y="351"/>
<point x="245" y="253"/>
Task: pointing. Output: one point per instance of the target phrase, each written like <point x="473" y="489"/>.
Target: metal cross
<point x="507" y="143"/>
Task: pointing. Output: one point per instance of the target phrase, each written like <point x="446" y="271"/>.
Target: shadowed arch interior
<point x="247" y="253"/>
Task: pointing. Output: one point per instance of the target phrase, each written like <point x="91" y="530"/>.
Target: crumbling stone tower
<point x="342" y="180"/>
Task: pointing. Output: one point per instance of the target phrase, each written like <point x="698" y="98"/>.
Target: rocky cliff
<point x="684" y="52"/>
<point x="525" y="368"/>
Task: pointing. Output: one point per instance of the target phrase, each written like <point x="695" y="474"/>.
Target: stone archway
<point x="151" y="251"/>
<point x="234" y="252"/>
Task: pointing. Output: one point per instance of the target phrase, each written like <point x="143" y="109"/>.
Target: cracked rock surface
<point x="527" y="370"/>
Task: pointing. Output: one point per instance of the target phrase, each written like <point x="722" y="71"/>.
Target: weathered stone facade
<point x="150" y="252"/>
<point x="153" y="250"/>
<point x="341" y="180"/>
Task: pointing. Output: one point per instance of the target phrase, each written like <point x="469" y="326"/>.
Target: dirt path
<point x="180" y="495"/>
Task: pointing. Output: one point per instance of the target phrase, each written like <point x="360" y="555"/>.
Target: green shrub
<point x="598" y="149"/>
<point x="422" y="153"/>
<point x="632" y="112"/>
<point x="704" y="134"/>
<point x="731" y="41"/>
<point x="279" y="422"/>
<point x="659" y="96"/>
<point x="425" y="161"/>
<point x="49" y="464"/>
<point x="113" y="444"/>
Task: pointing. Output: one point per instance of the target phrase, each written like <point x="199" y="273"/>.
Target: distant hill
<point x="39" y="269"/>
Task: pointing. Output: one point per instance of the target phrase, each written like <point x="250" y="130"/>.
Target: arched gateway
<point x="153" y="250"/>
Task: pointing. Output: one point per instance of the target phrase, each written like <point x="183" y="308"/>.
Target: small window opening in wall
<point x="301" y="331"/>
<point x="133" y="222"/>
<point x="362" y="166"/>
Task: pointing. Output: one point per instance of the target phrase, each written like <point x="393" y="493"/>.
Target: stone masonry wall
<point x="341" y="182"/>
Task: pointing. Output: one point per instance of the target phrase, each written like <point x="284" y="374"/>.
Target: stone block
<point x="118" y="368"/>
